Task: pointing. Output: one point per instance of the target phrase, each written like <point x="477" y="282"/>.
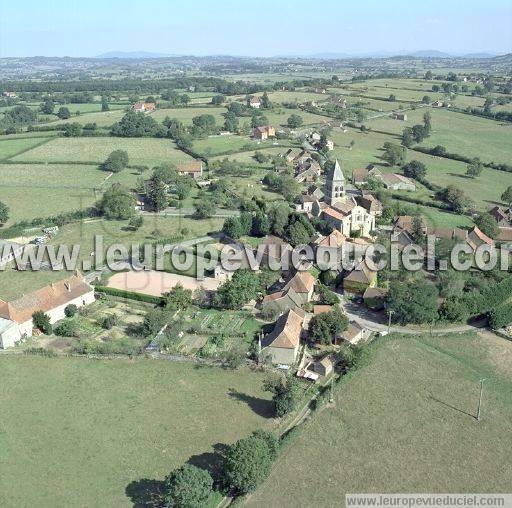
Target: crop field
<point x="143" y="151"/>
<point x="296" y="96"/>
<point x="122" y="424"/>
<point x="405" y="423"/>
<point x="471" y="136"/>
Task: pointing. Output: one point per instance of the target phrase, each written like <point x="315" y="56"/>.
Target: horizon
<point x="227" y="29"/>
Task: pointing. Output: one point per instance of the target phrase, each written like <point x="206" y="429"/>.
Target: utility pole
<point x="480" y="399"/>
<point x="391" y="312"/>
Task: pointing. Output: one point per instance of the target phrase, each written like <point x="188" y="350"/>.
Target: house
<point x="359" y="176"/>
<point x="263" y="132"/>
<point x="9" y="251"/>
<point x="191" y="168"/>
<point x="144" y="107"/>
<point x="505" y="235"/>
<point x="305" y="203"/>
<point x="360" y="279"/>
<point x="295" y="293"/>
<point x="406" y="223"/>
<point x="16" y="315"/>
<point x="324" y="367"/>
<point x="375" y="297"/>
<point x="335" y="240"/>
<point x="281" y="345"/>
<point x="329" y="144"/>
<point x="308" y="171"/>
<point x="394" y="181"/>
<point x="370" y="203"/>
<point x="11" y="95"/>
<point x="501" y="216"/>
<point x="440" y="104"/>
<point x="316" y="192"/>
<point x="448" y="233"/>
<point x="254" y="102"/>
<point x="353" y="334"/>
<point x="399" y="115"/>
<point x="303" y="283"/>
<point x="476" y="238"/>
<point x="292" y="154"/>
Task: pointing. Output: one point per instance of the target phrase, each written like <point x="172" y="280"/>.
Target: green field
<point x="471" y="136"/>
<point x="101" y="119"/>
<point x="80" y="432"/>
<point x="12" y="146"/>
<point x="185" y="115"/>
<point x="145" y="151"/>
<point x="405" y="423"/>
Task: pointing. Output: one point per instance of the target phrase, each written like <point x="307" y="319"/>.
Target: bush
<point x="41" y="321"/>
<point x="109" y="321"/>
<point x="70" y="310"/>
<point x="67" y="328"/>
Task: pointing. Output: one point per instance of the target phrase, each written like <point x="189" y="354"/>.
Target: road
<point x="378" y="322"/>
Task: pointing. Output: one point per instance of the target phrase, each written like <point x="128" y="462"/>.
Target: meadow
<point x="141" y="151"/>
<point x="113" y="429"/>
<point x="405" y="423"/>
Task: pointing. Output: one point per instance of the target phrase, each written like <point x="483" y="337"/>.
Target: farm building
<point x="359" y="176"/>
<point x="476" y="238"/>
<point x="263" y="132"/>
<point x="399" y="115"/>
<point x="395" y="181"/>
<point x="354" y="333"/>
<point x="374" y="298"/>
<point x="254" y="102"/>
<point x="501" y="216"/>
<point x="281" y="345"/>
<point x="370" y="203"/>
<point x="144" y="107"/>
<point x="16" y="315"/>
<point x="192" y="168"/>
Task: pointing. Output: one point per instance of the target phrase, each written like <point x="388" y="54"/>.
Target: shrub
<point x="41" y="321"/>
<point x="67" y="328"/>
<point x="70" y="310"/>
<point x="109" y="321"/>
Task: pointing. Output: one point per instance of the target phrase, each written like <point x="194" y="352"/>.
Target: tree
<point x="506" y="196"/>
<point x="392" y="98"/>
<point x="117" y="203"/>
<point x="157" y="193"/>
<point x="417" y="231"/>
<point x="63" y="113"/>
<point x="286" y="393"/>
<point x="474" y="168"/>
<point x="428" y="75"/>
<point x="178" y="298"/>
<point x="205" y="208"/>
<point x="415" y="169"/>
<point x="294" y="121"/>
<point x="154" y="320"/>
<point x="455" y="198"/>
<point x="116" y="161"/>
<point x="137" y="125"/>
<point x="265" y="101"/>
<point x="232" y="228"/>
<point x="136" y="222"/>
<point x="4" y="213"/>
<point x="104" y="104"/>
<point x="243" y="287"/>
<point x="427" y="123"/>
<point x="323" y="328"/>
<point x="70" y="310"/>
<point x="394" y="154"/>
<point x="487" y="224"/>
<point x="426" y="99"/>
<point x="47" y="107"/>
<point x="188" y="487"/>
<point x="247" y="464"/>
<point x="297" y="234"/>
<point x="42" y="322"/>
<point x="407" y="137"/>
<point x="413" y="301"/>
<point x="418" y="133"/>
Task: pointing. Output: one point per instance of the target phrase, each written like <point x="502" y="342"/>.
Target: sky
<point x="262" y="28"/>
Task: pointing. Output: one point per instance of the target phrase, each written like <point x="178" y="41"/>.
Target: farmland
<point x="117" y="422"/>
<point x="150" y="152"/>
<point x="414" y="432"/>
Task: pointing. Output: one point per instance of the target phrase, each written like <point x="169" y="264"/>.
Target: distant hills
<point x="133" y="54"/>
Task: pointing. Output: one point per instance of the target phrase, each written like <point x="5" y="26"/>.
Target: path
<point x="183" y="212"/>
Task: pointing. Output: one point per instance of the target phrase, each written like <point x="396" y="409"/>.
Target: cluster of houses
<point x="391" y="181"/>
<point x="16" y="316"/>
<point x="263" y="132"/>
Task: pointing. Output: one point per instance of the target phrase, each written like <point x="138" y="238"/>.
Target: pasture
<point x="141" y="151"/>
<point x="185" y="115"/>
<point x="405" y="423"/>
<point x="123" y="424"/>
<point x="12" y="146"/>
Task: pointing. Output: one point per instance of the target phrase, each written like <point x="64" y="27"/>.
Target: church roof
<point x="337" y="173"/>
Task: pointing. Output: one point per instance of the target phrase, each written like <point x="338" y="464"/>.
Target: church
<point x="340" y="210"/>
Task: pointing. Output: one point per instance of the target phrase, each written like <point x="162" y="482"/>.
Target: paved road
<point x="378" y="322"/>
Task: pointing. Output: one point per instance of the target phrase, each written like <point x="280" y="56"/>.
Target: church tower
<point x="335" y="185"/>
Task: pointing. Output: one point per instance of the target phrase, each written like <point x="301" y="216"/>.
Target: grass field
<point x="185" y="115"/>
<point x="12" y="146"/>
<point x="79" y="431"/>
<point x="145" y="151"/>
<point x="405" y="423"/>
<point x="471" y="136"/>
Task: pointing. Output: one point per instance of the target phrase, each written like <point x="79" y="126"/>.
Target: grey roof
<point x="337" y="173"/>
